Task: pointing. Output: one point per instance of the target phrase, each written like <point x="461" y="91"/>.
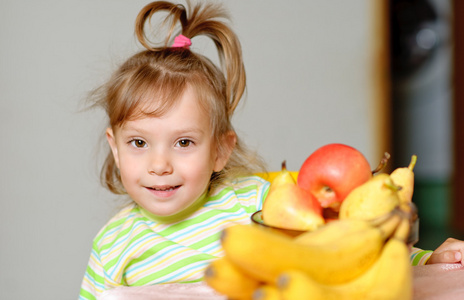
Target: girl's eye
<point x="184" y="143"/>
<point x="138" y="143"/>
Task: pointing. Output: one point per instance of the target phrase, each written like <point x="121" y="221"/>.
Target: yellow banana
<point x="389" y="278"/>
<point x="333" y="231"/>
<point x="394" y="279"/>
<point x="295" y="284"/>
<point x="267" y="292"/>
<point x="404" y="177"/>
<point x="223" y="276"/>
<point x="264" y="254"/>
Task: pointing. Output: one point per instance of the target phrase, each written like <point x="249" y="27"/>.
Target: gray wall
<point x="309" y="84"/>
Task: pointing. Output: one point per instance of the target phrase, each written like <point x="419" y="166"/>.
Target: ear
<point x="112" y="142"/>
<point x="229" y="140"/>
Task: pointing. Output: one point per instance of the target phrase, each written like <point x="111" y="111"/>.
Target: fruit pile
<point x="360" y="252"/>
<point x="334" y="182"/>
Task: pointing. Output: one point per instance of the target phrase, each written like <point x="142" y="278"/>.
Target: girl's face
<point x="166" y="162"/>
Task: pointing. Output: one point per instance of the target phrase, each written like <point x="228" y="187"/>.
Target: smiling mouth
<point x="163" y="188"/>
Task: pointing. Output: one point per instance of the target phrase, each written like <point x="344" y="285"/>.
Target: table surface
<point x="438" y="282"/>
<point x="430" y="282"/>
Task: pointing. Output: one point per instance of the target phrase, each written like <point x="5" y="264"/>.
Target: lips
<point x="163" y="191"/>
<point x="163" y="188"/>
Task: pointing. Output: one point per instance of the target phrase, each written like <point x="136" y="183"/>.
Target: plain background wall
<point x="309" y="83"/>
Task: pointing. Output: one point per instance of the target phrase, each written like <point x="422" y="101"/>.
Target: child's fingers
<point x="445" y="257"/>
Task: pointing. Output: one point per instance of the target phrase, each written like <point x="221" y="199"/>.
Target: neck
<point x="179" y="215"/>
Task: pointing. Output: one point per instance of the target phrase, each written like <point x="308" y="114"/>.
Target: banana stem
<point x="402" y="231"/>
<point x="378" y="221"/>
<point x="209" y="272"/>
<point x="388" y="228"/>
<point x="283" y="281"/>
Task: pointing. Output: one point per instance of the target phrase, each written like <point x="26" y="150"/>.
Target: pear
<point x="289" y="206"/>
<point x="404" y="177"/>
<point x="376" y="197"/>
<point x="282" y="177"/>
<point x="271" y="176"/>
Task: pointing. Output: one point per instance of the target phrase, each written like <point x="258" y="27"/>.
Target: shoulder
<point x="242" y="185"/>
<point x="123" y="220"/>
<point x="248" y="190"/>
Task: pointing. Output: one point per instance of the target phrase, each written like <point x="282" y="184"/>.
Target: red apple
<point x="331" y="172"/>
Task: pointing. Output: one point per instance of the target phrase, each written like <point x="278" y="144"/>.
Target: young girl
<point x="174" y="152"/>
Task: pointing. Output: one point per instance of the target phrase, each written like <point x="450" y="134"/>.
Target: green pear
<point x="376" y="197"/>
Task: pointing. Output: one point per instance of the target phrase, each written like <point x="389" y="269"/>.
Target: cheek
<point x="129" y="168"/>
<point x="198" y="169"/>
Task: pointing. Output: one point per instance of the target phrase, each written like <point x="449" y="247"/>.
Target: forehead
<point x="158" y="102"/>
<point x="186" y="99"/>
<point x="186" y="113"/>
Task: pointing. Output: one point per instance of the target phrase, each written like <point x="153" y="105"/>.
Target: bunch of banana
<point x="388" y="278"/>
<point x="344" y="259"/>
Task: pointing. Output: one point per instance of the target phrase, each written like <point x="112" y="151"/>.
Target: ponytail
<point x="201" y="19"/>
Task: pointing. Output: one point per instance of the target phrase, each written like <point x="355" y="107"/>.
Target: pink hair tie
<point x="181" y="41"/>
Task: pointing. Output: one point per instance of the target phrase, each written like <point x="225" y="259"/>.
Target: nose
<point x="160" y="164"/>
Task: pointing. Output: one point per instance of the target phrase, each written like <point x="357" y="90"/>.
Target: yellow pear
<point x="282" y="177"/>
<point x="378" y="196"/>
<point x="404" y="177"/>
<point x="289" y="206"/>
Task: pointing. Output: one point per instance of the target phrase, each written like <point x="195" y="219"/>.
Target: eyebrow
<point x="189" y="130"/>
<point x="176" y="132"/>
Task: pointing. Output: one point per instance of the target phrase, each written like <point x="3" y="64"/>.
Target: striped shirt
<point x="134" y="250"/>
<point x="419" y="257"/>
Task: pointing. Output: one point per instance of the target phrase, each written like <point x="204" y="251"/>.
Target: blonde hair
<point x="160" y="74"/>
